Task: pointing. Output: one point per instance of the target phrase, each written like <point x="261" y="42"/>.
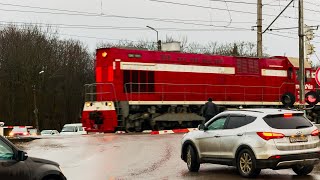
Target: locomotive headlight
<point x="109" y="103"/>
<point x="104" y="54"/>
<point x="87" y="104"/>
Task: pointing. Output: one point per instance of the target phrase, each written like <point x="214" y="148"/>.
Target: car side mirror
<point x="202" y="127"/>
<point x="22" y="156"/>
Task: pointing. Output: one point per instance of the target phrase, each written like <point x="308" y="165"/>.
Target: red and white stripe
<point x="174" y="131"/>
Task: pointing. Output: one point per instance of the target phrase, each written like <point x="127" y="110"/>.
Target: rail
<point x="204" y="90"/>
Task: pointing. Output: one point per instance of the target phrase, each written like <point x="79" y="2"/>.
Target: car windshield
<point x="68" y="129"/>
<point x="46" y="132"/>
<point x="18" y="129"/>
<point x="287" y="121"/>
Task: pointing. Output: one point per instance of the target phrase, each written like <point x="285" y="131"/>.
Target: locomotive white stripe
<point x="273" y="72"/>
<point x="177" y="68"/>
<point x="109" y="105"/>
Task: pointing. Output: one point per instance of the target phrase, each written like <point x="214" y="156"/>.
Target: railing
<point x="185" y="92"/>
<point x="99" y="92"/>
<point x="203" y="91"/>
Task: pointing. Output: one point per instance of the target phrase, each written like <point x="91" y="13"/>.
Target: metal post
<point x="35" y="108"/>
<point x="301" y="55"/>
<point x="259" y="28"/>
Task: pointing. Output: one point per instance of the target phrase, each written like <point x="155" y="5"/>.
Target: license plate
<point x="298" y="139"/>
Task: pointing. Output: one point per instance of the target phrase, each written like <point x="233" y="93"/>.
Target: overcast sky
<point x="108" y="20"/>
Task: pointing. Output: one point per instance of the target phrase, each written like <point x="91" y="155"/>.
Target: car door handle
<point x="240" y="134"/>
<point x="217" y="136"/>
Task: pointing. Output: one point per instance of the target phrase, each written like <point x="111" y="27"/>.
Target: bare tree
<point x="67" y="66"/>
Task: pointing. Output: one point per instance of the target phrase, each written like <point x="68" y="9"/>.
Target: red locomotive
<point x="140" y="89"/>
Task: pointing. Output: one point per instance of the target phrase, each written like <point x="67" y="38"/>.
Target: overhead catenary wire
<point x="90" y="14"/>
<point x="82" y="26"/>
<point x="82" y="13"/>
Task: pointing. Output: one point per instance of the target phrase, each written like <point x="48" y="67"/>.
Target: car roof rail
<point x="249" y="110"/>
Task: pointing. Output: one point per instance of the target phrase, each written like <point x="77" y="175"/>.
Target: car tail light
<point x="270" y="135"/>
<point x="315" y="133"/>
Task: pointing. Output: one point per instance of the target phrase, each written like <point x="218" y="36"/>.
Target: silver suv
<point x="254" y="139"/>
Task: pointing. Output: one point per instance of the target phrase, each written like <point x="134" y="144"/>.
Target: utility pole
<point x="259" y="28"/>
<point x="301" y="55"/>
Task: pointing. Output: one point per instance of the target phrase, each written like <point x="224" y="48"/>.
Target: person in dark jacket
<point x="210" y="110"/>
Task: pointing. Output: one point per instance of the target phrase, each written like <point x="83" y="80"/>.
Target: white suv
<point x="254" y="139"/>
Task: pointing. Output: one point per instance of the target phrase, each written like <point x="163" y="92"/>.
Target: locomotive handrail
<point x="99" y="93"/>
<point x="206" y="93"/>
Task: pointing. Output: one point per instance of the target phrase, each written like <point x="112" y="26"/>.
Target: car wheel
<point x="192" y="159"/>
<point x="246" y="164"/>
<point x="303" y="170"/>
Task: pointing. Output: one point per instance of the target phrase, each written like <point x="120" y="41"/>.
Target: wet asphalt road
<point x="144" y="156"/>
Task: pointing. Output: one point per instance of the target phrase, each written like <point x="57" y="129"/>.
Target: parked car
<point x="33" y="132"/>
<point x="73" y="129"/>
<point x="15" y="164"/>
<point x="254" y="139"/>
<point x="49" y="132"/>
<point x="19" y="131"/>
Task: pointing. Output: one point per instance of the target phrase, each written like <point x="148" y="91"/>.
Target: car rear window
<point x="282" y="121"/>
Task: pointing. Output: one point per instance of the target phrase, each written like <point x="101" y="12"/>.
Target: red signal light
<point x="311" y="99"/>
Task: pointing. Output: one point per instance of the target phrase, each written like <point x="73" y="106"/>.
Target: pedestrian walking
<point x="210" y="110"/>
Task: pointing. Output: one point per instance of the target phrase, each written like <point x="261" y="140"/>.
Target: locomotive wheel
<point x="129" y="127"/>
<point x="288" y="99"/>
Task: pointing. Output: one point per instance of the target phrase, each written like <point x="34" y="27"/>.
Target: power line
<point x="317" y="56"/>
<point x="89" y="14"/>
<point x="79" y="26"/>
<point x="175" y="21"/>
<point x="222" y="9"/>
<point x="206" y="7"/>
<point x="242" y="2"/>
<point x="280" y="35"/>
<point x="73" y="12"/>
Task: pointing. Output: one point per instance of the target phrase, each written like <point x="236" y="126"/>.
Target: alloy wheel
<point x="245" y="163"/>
<point x="189" y="157"/>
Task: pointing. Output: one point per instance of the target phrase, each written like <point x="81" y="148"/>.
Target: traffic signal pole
<point x="301" y="56"/>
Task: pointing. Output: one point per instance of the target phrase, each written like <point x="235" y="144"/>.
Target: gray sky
<point x="127" y="20"/>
